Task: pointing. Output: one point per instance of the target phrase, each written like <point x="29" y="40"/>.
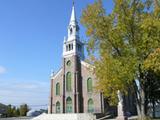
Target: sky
<point x="31" y="41"/>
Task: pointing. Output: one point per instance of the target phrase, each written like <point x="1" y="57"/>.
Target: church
<point x="72" y="87"/>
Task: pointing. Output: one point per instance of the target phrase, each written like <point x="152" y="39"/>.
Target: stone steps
<point x="83" y="116"/>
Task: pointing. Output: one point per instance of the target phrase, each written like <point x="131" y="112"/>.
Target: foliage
<point x="110" y="83"/>
<point x="17" y="112"/>
<point x="9" y="111"/>
<point x="23" y="109"/>
<point x="126" y="41"/>
<point x="13" y="111"/>
<point x="153" y="61"/>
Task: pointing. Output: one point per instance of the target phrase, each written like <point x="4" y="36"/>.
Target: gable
<point x="87" y="65"/>
<point x="58" y="74"/>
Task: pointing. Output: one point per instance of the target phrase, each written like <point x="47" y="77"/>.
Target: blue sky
<point x="31" y="39"/>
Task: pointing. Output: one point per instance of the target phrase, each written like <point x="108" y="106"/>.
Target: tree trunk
<point x="153" y="112"/>
<point x="141" y="95"/>
<point x="138" y="110"/>
<point x="142" y="104"/>
<point x="138" y="100"/>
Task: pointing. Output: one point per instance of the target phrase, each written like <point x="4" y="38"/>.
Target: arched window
<point x="90" y="106"/>
<point x="72" y="46"/>
<point x="57" y="89"/>
<point x="71" y="31"/>
<point x="69" y="47"/>
<point x="68" y="81"/>
<point x="58" y="107"/>
<point x="89" y="85"/>
<point x="69" y="105"/>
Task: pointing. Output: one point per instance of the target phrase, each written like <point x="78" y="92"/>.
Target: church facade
<point x="72" y="87"/>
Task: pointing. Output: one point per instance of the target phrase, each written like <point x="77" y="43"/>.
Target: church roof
<point x="57" y="73"/>
<point x="88" y="65"/>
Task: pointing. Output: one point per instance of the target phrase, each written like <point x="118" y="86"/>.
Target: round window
<point x="68" y="63"/>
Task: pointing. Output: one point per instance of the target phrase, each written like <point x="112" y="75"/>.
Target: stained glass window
<point x="89" y="85"/>
<point x="57" y="89"/>
<point x="58" y="108"/>
<point x="69" y="105"/>
<point x="90" y="106"/>
<point x="68" y="81"/>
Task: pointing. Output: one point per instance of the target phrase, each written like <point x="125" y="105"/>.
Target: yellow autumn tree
<point x="122" y="41"/>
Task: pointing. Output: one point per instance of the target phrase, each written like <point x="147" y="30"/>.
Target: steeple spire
<point x="72" y="44"/>
<point x="73" y="19"/>
<point x="73" y="28"/>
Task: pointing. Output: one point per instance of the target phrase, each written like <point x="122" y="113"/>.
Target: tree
<point x="13" y="111"/>
<point x="17" y="113"/>
<point x="152" y="67"/>
<point x="23" y="109"/>
<point x="9" y="111"/>
<point x="153" y="61"/>
<point x="123" y="40"/>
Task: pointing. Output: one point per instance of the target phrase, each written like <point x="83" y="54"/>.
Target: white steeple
<point x="72" y="44"/>
<point x="73" y="28"/>
<point x="73" y="19"/>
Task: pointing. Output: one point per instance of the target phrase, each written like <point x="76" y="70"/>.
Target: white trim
<point x="53" y="77"/>
<point x="69" y="55"/>
<point x="87" y="64"/>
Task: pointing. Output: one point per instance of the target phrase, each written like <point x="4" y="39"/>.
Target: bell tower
<point x="72" y="44"/>
<point x="73" y="54"/>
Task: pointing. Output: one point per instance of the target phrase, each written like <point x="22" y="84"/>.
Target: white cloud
<point x="2" y="70"/>
<point x="28" y="86"/>
<point x="32" y="92"/>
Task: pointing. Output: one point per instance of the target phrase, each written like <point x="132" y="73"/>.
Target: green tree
<point x="23" y="109"/>
<point x="13" y="111"/>
<point x="9" y="111"/>
<point x="17" y="113"/>
<point x="153" y="61"/>
<point x="123" y="40"/>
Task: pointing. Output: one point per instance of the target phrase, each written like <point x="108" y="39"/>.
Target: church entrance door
<point x="69" y="105"/>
